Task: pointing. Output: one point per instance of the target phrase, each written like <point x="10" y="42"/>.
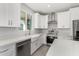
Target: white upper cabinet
<point x="63" y="19"/>
<point x="9" y="15"/>
<point x="40" y="21"/>
<point x="45" y="21"/>
<point x="74" y="13"/>
<point x="14" y="14"/>
<point x="3" y="15"/>
<point x="36" y="20"/>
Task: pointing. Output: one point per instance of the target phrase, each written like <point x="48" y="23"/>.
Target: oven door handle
<point x="22" y="44"/>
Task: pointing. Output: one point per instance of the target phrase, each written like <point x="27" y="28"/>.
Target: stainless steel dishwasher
<point x="23" y="48"/>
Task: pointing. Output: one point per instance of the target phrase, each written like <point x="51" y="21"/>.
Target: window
<point x="29" y="21"/>
<point x="23" y="21"/>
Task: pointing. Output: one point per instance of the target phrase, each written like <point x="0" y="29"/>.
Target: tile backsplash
<point x="15" y="32"/>
<point x="9" y="32"/>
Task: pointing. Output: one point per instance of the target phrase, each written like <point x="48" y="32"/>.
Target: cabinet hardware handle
<point x="11" y="22"/>
<point x="4" y="51"/>
<point x="8" y="22"/>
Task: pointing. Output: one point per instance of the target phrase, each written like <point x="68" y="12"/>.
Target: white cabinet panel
<point x="35" y="44"/>
<point x="46" y="22"/>
<point x="74" y="13"/>
<point x="43" y="21"/>
<point x="63" y="19"/>
<point x="36" y="22"/>
<point x="9" y="14"/>
<point x="59" y="20"/>
<point x="33" y="47"/>
<point x="8" y="50"/>
<point x="14" y="14"/>
<point x="39" y="42"/>
<point x="3" y="15"/>
<point x="40" y="21"/>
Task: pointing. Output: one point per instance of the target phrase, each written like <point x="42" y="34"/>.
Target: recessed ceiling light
<point x="48" y="5"/>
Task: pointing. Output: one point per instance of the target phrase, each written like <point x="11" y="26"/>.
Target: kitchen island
<point x="64" y="46"/>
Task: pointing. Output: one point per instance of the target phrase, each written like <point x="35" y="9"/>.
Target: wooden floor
<point x="42" y="50"/>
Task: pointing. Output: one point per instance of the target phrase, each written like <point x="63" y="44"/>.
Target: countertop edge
<point x="16" y="40"/>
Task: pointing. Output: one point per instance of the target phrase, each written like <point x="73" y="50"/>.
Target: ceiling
<point x="51" y="7"/>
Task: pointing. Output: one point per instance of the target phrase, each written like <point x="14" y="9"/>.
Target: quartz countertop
<point x="64" y="47"/>
<point x="6" y="41"/>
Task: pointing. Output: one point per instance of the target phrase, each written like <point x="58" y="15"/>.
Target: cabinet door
<point x="63" y="20"/>
<point x="23" y="48"/>
<point x="35" y="44"/>
<point x="36" y="22"/>
<point x="8" y="50"/>
<point x="9" y="15"/>
<point x="74" y="13"/>
<point x="33" y="47"/>
<point x="3" y="15"/>
<point x="46" y="22"/>
<point x="60" y="20"/>
<point x="66" y="20"/>
<point x="39" y="42"/>
<point x="14" y="14"/>
<point x="43" y="21"/>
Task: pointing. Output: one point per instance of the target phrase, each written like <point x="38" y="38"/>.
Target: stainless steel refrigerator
<point x="76" y="30"/>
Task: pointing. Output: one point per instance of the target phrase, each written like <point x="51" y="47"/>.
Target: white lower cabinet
<point x="35" y="44"/>
<point x="33" y="47"/>
<point x="8" y="50"/>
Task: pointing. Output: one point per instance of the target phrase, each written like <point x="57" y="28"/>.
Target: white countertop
<point x="64" y="47"/>
<point x="6" y="41"/>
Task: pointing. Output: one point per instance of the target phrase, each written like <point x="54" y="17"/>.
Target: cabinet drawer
<point x="34" y="39"/>
<point x="6" y="47"/>
<point x="33" y="47"/>
<point x="39" y="43"/>
<point x="7" y="50"/>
